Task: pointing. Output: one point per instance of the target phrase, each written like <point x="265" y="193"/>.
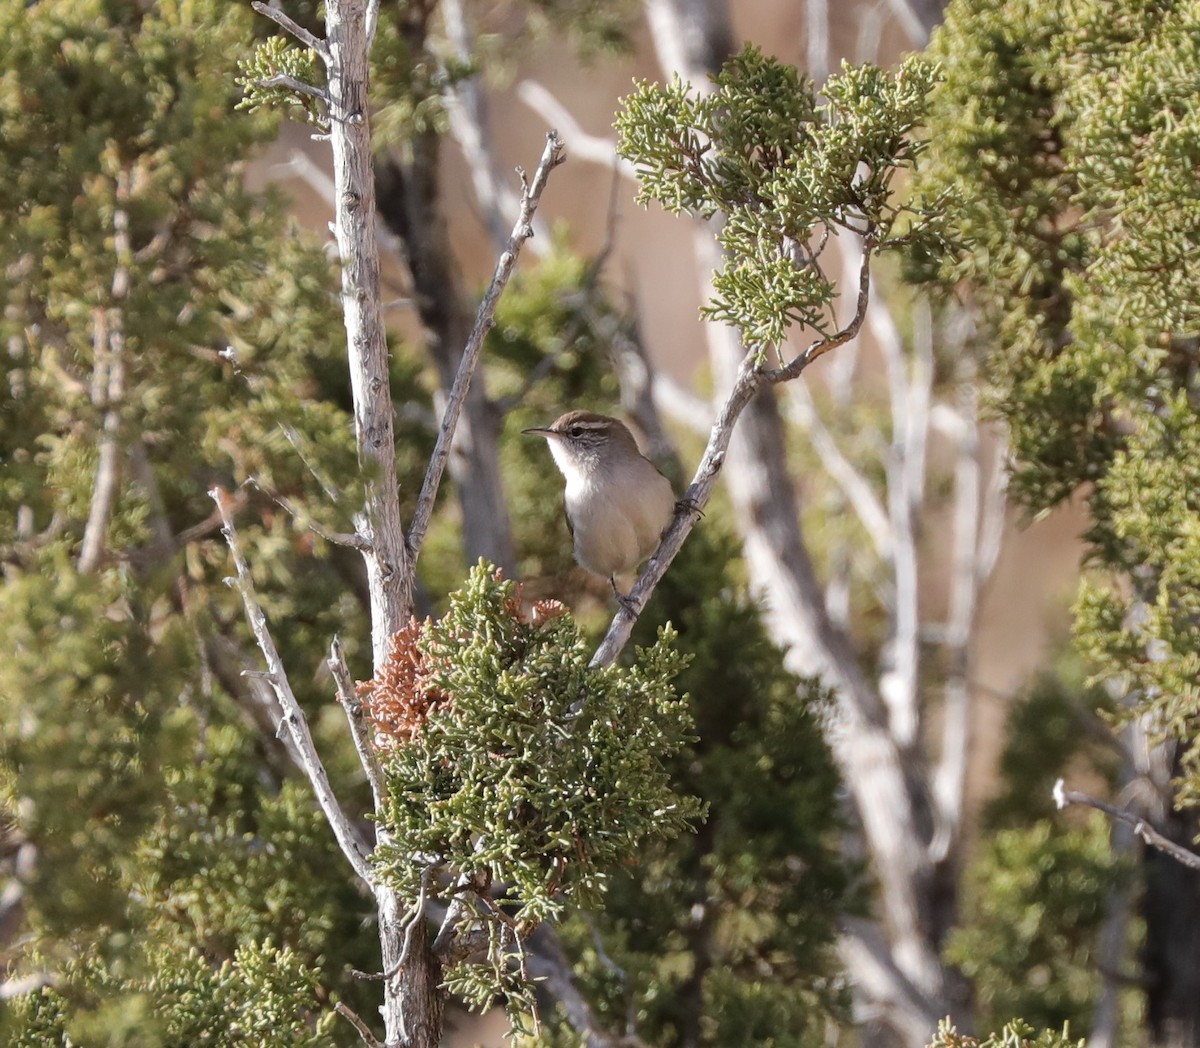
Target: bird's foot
<point x="688" y="505"/>
<point x="623" y="599"/>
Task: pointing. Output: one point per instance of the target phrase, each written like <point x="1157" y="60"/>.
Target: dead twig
<point x="1064" y="797"/>
<point x="552" y="156"/>
<point x="296" y="30"/>
<point x="293" y="720"/>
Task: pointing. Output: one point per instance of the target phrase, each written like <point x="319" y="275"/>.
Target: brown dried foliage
<point x="398" y="699"/>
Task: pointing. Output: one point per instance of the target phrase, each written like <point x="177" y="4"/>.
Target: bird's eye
<point x="574" y="431"/>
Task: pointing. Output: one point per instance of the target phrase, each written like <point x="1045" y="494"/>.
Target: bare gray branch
<point x="293" y="720"/>
<point x="298" y="31"/>
<point x="292" y="84"/>
<point x="552" y="156"/>
<point x="1064" y="798"/>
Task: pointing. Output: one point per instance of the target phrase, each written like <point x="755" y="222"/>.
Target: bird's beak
<point x="541" y="431"/>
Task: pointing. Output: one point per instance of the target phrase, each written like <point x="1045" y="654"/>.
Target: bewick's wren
<point x="617" y="502"/>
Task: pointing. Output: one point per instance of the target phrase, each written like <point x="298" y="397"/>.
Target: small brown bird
<point x="617" y="502"/>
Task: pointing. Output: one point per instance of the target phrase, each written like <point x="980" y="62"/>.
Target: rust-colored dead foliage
<point x="532" y="613"/>
<point x="398" y="699"/>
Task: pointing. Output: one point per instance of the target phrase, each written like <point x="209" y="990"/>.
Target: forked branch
<point x="531" y="194"/>
<point x="293" y="719"/>
<point x="751" y="377"/>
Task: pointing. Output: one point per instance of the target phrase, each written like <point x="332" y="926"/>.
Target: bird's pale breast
<point x="618" y="521"/>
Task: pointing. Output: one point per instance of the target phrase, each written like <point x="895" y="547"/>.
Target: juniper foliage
<point x="786" y="173"/>
<point x="532" y="771"/>
<point x="165" y="330"/>
<point x="1067" y="138"/>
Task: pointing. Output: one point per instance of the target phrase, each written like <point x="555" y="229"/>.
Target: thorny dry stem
<point x="293" y="719"/>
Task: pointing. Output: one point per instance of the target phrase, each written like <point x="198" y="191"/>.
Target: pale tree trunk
<point x="910" y="826"/>
<point x="412" y="1003"/>
<point x="410" y="204"/>
<point x="413" y="995"/>
<point x="379" y="524"/>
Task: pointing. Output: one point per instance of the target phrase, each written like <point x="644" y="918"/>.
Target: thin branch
<point x="469" y="126"/>
<point x="680" y="404"/>
<point x="202" y="529"/>
<point x="293" y="719"/>
<point x="583" y="314"/>
<point x="355" y="1020"/>
<point x="291" y="83"/>
<point x="337" y="538"/>
<point x="870" y="30"/>
<point x="1112" y="941"/>
<point x="750" y="378"/>
<point x="917" y="18"/>
<point x="372" y="22"/>
<point x="909" y="395"/>
<point x="866" y="953"/>
<point x="552" y="156"/>
<point x="108" y="389"/>
<point x="298" y="31"/>
<point x="328" y="487"/>
<point x="415" y="918"/>
<point x="547" y="964"/>
<point x="821" y="346"/>
<point x="949" y="777"/>
<point x="995" y="502"/>
<point x="359" y="732"/>
<point x="689" y="510"/>
<point x="817" y="35"/>
<point x="917" y="406"/>
<point x="585" y="146"/>
<point x="839" y="380"/>
<point x="1064" y="797"/>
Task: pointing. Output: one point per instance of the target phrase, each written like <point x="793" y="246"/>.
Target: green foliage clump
<point x="1015" y="1034"/>
<point x="530" y="768"/>
<point x="262" y="995"/>
<point x="1068" y="139"/>
<point x="277" y="57"/>
<point x="786" y="173"/>
<point x="1036" y="898"/>
<point x="1149" y="634"/>
<point x="157" y="307"/>
<point x="728" y="935"/>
